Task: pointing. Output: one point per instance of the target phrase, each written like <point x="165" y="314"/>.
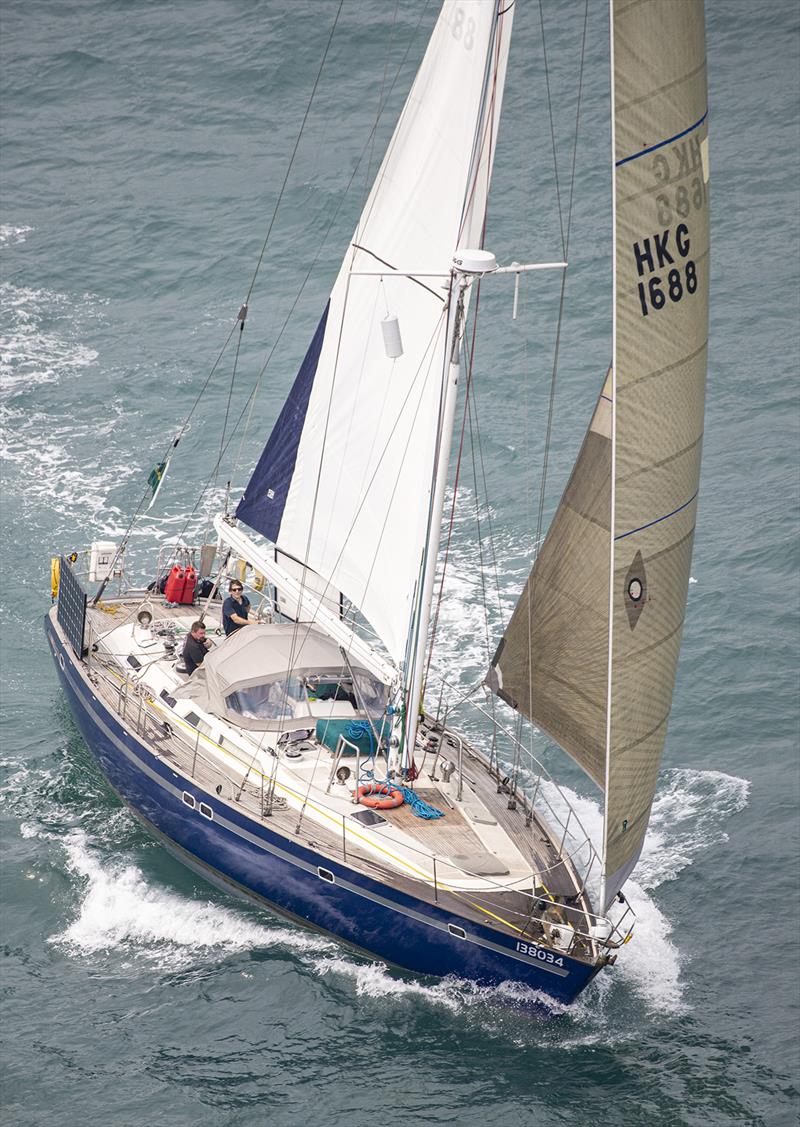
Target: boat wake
<point x="121" y="910"/>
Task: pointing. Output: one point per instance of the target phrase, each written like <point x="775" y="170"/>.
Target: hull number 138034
<point x="539" y="953"/>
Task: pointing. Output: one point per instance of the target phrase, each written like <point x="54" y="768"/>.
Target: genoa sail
<point x="343" y="480"/>
<point x="591" y="651"/>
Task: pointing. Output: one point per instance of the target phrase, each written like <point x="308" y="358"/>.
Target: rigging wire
<point x="241" y="319"/>
<point x="146" y="495"/>
<point x="566" y="238"/>
<point x="294" y="152"/>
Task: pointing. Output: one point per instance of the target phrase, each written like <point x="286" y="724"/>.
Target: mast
<point x="452" y="360"/>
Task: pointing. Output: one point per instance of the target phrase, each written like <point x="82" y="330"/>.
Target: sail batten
<point x="591" y="650"/>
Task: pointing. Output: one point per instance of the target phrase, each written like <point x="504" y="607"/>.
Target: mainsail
<point x="591" y="650"/>
<point x="344" y="478"/>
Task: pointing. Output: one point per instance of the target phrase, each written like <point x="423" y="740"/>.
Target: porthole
<point x="205" y="810"/>
<point x="61" y="662"/>
<point x="188" y="800"/>
<point x="457" y="931"/>
<point x="325" y="874"/>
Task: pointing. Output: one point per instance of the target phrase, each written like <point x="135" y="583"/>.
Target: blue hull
<point x="242" y="855"/>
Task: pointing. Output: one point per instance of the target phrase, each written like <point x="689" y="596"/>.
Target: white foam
<point x="120" y="909"/>
<point x="44" y="454"/>
<point x="690" y="810"/>
<point x="373" y="980"/>
<point x="31" y="354"/>
<point x="689" y="813"/>
<point x="10" y="235"/>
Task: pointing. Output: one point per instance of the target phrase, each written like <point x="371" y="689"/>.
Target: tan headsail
<point x="601" y="683"/>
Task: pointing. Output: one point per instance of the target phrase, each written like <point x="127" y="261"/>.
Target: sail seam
<point x="664" y="461"/>
<point x="656" y="372"/>
<point x="571" y="686"/>
<point x="661" y="144"/>
<point x="650" y="732"/>
<point x="658" y="520"/>
<point x="636" y="655"/>
<point x="662" y="89"/>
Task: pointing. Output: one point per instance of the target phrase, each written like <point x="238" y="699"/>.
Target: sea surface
<point x="144" y="146"/>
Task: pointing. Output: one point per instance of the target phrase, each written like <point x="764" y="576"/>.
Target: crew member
<point x="235" y="609"/>
<point x="195" y="647"/>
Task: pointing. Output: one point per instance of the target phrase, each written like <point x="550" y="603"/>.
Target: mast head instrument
<point x="479" y="262"/>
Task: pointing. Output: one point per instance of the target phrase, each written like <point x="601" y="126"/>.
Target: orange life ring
<point x="369" y="795"/>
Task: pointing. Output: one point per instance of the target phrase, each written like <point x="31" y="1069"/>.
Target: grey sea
<point x="144" y="146"/>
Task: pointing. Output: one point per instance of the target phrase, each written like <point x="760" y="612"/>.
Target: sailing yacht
<point x="305" y="764"/>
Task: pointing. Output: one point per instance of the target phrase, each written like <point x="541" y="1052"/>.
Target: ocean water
<point x="144" y="146"/>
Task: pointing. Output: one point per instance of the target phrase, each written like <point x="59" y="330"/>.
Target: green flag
<point x="155" y="479"/>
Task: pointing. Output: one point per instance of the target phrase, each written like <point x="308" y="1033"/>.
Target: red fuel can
<point x="173" y="591"/>
<point x="189" y="584"/>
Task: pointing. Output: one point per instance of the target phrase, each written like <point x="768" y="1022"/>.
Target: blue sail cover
<point x="263" y="502"/>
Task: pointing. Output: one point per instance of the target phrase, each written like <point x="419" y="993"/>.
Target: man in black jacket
<point x="195" y="647"/>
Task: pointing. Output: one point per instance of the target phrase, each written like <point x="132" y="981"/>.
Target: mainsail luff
<point x="345" y="477"/>
<point x="591" y="650"/>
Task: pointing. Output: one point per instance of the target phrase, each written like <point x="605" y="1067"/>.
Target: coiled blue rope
<point x="419" y="806"/>
<point x="355" y="731"/>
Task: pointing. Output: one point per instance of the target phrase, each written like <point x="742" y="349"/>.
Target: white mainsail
<point x="344" y="480"/>
<point x="591" y="650"/>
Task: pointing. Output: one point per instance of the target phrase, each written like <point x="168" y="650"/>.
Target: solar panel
<point x="71" y="609"/>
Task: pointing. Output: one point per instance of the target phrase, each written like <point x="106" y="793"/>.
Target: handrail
<point x="539" y="766"/>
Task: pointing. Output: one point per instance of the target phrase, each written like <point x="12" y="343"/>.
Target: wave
<point x="121" y="910"/>
<point x="10" y="236"/>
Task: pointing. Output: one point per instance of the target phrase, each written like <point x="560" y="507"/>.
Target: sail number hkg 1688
<point x="677" y="277"/>
<point x="540" y="954"/>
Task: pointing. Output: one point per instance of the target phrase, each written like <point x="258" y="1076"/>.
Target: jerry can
<point x="173" y="590"/>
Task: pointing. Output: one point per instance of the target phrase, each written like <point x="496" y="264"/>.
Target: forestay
<point x="345" y="477"/>
<point x="591" y="651"/>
